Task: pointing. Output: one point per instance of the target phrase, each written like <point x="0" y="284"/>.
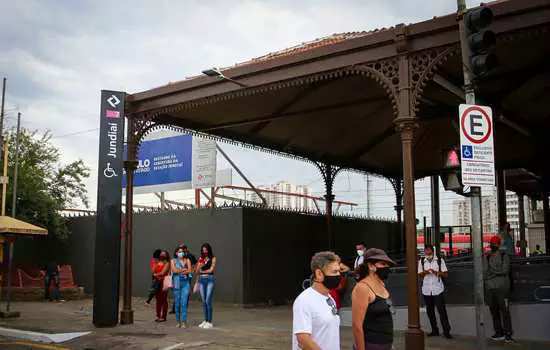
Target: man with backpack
<point x="496" y="268"/>
<point x="432" y="270"/>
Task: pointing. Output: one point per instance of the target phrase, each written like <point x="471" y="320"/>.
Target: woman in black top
<point x="372" y="320"/>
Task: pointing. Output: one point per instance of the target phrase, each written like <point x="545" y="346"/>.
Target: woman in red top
<point x="162" y="268"/>
<point x="337" y="292"/>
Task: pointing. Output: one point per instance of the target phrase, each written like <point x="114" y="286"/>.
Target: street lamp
<point x="216" y="72"/>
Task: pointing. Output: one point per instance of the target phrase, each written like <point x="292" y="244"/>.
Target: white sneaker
<point x="208" y="325"/>
<point x="203" y="323"/>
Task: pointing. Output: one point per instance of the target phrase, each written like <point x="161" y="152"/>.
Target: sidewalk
<point x="235" y="328"/>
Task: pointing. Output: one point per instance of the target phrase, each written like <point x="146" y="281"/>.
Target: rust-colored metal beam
<point x="231" y="187"/>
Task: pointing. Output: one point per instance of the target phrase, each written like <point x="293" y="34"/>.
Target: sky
<point x="58" y="55"/>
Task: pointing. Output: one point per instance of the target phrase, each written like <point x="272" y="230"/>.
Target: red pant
<point x="162" y="303"/>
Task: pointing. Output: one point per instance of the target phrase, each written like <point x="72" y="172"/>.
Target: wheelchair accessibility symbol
<point x="467" y="152"/>
<point x="109" y="172"/>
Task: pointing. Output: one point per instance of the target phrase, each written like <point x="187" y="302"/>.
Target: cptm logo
<point x="113" y="101"/>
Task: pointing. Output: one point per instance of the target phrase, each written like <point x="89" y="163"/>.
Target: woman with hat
<point x="372" y="320"/>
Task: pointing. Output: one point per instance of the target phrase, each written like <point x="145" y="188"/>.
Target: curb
<point x="40" y="337"/>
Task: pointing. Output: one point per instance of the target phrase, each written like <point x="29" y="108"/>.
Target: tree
<point x="45" y="186"/>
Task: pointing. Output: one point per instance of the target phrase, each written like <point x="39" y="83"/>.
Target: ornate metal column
<point x="130" y="165"/>
<point x="406" y="124"/>
<point x="397" y="184"/>
<point x="329" y="173"/>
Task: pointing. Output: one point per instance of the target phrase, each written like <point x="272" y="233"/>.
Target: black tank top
<point x="378" y="323"/>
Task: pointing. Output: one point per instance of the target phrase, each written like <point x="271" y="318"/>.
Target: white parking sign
<point x="476" y="145"/>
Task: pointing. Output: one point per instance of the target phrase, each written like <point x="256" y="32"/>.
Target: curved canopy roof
<point x="333" y="99"/>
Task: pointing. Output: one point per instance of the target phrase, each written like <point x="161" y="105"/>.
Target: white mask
<point x="360" y="252"/>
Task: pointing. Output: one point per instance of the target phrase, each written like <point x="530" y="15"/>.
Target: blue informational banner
<point x="163" y="164"/>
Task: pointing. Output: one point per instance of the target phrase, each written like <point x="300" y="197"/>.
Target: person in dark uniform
<point x="51" y="275"/>
<point x="372" y="320"/>
<point x="496" y="268"/>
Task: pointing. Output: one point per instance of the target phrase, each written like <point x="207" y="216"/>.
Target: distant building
<point x="512" y="210"/>
<point x="284" y="201"/>
<point x="462" y="213"/>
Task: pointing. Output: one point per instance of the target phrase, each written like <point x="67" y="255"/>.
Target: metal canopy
<point x="384" y="102"/>
<point x="334" y="100"/>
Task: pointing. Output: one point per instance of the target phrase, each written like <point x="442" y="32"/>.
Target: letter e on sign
<point x="476" y="142"/>
<point x="476" y="123"/>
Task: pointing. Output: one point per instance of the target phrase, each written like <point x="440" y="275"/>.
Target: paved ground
<point x="235" y="328"/>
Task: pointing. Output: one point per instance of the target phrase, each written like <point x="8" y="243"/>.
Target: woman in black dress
<point x="372" y="320"/>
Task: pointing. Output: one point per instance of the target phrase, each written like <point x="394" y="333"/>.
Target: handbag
<point x="167" y="282"/>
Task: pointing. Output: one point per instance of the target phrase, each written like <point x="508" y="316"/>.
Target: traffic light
<point x="451" y="176"/>
<point x="481" y="41"/>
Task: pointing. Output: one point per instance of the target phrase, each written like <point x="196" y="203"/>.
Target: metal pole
<point x="501" y="198"/>
<point x="127" y="314"/>
<point x="2" y="112"/>
<point x="450" y="241"/>
<point x="5" y="179"/>
<point x="427" y="239"/>
<point x="436" y="222"/>
<point x="10" y="263"/>
<point x="546" y="214"/>
<point x="213" y="196"/>
<point x="521" y="218"/>
<point x="242" y="175"/>
<point x="16" y="167"/>
<point x="475" y="199"/>
<point x="197" y="198"/>
<point x="368" y="196"/>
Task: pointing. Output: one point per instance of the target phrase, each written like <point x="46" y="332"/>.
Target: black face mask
<point x="383" y="272"/>
<point x="331" y="282"/>
<point x="494" y="248"/>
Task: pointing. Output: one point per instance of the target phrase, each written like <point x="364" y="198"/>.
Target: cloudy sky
<point x="58" y="55"/>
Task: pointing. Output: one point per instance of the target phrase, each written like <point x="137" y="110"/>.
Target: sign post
<point x="476" y="145"/>
<point x="475" y="193"/>
<point x="109" y="202"/>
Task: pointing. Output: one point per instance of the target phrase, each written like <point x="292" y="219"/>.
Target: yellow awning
<point x="14" y="226"/>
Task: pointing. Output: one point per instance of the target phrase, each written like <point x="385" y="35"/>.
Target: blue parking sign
<point x="467" y="152"/>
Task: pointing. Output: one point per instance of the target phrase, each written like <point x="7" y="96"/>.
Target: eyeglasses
<point x="332" y="305"/>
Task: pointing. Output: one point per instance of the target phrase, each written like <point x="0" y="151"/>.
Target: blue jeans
<point x="48" y="279"/>
<point x="181" y="298"/>
<point x="206" y="288"/>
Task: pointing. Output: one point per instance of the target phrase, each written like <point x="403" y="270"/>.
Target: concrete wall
<point x="166" y="230"/>
<point x="278" y="247"/>
<point x="263" y="255"/>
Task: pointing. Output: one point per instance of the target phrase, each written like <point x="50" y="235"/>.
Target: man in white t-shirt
<point x="315" y="320"/>
<point x="360" y="248"/>
<point x="432" y="269"/>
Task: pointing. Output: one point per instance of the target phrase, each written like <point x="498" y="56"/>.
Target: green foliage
<point x="44" y="187"/>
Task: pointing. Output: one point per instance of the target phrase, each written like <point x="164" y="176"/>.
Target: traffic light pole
<point x="475" y="199"/>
